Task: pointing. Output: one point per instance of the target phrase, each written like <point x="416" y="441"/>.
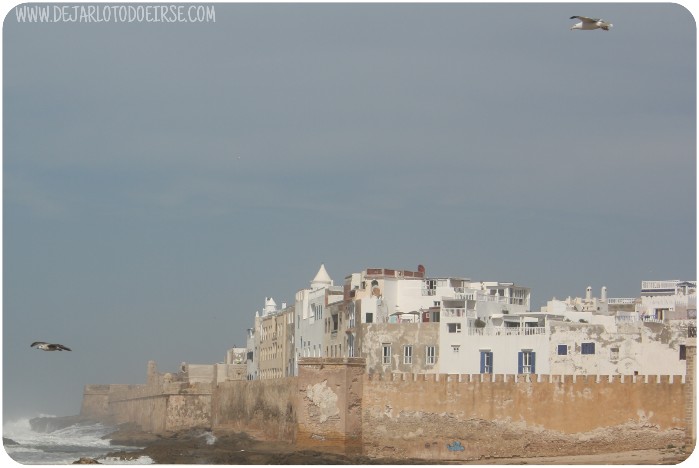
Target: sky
<point x="160" y="180"/>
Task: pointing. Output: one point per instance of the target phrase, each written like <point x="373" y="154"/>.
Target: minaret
<point x="322" y="279"/>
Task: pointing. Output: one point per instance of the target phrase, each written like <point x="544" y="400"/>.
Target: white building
<point x="310" y="307"/>
<point x="668" y="300"/>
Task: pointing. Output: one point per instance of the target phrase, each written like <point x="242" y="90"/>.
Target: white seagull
<point x="590" y="23"/>
<point x="49" y="346"/>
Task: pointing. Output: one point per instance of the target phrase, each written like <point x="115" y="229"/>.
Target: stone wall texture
<point x="334" y="405"/>
<point x="467" y="416"/>
<point x="262" y="408"/>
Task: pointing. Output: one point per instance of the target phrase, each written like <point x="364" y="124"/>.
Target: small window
<point x="369" y="317"/>
<point x="562" y="350"/>
<point x="454" y="327"/>
<point x="455" y="348"/>
<point x="429" y="355"/>
<point x="526" y="362"/>
<point x="614" y="354"/>
<point x="587" y="348"/>
<point x="386" y="353"/>
<point x="407" y="354"/>
<point x="683" y="352"/>
<point x="486" y="362"/>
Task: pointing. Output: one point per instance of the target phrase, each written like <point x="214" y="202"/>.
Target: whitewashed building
<point x="310" y="311"/>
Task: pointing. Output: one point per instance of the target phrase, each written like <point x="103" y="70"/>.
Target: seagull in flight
<point x="49" y="346"/>
<point x="590" y="23"/>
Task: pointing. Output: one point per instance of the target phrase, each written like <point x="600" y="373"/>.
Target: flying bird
<point x="590" y="23"/>
<point x="49" y="346"/>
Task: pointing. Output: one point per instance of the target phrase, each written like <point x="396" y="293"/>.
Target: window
<point x="454" y="327"/>
<point x="486" y="362"/>
<point x="614" y="354"/>
<point x="587" y="348"/>
<point x="386" y="353"/>
<point x="429" y="355"/>
<point x="455" y="348"/>
<point x="350" y="346"/>
<point x="525" y="362"/>
<point x="351" y="315"/>
<point x="683" y="352"/>
<point x="369" y="317"/>
<point x="562" y="350"/>
<point x="407" y="354"/>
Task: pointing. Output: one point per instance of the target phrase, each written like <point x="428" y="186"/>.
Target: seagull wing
<point x="60" y="347"/>
<point x="37" y="343"/>
<point x="585" y="19"/>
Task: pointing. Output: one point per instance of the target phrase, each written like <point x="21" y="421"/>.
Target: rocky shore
<point x="200" y="446"/>
<point x="195" y="447"/>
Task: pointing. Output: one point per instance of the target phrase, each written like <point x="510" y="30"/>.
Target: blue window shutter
<point x="492" y="363"/>
<point x="519" y="362"/>
<point x="482" y="362"/>
<point x="533" y="371"/>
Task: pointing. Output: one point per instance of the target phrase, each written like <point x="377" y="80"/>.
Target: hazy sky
<point x="161" y="179"/>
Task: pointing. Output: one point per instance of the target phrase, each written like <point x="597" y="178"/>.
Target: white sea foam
<point x="63" y="446"/>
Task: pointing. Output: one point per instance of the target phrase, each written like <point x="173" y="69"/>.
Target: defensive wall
<point x="335" y="405"/>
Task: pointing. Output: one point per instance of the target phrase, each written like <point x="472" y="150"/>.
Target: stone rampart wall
<point x="95" y="403"/>
<point x="329" y="404"/>
<point x="262" y="408"/>
<point x="464" y="417"/>
<point x="334" y="405"/>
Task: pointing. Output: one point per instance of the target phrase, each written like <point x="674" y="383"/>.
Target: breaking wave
<point x="62" y="446"/>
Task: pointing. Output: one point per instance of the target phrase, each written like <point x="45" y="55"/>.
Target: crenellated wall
<point x="506" y="415"/>
<point x="334" y="405"/>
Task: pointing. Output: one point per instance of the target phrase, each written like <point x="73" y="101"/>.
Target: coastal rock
<point x="86" y="461"/>
<point x="8" y="441"/>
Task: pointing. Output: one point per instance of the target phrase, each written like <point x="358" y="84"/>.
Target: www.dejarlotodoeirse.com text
<point x="115" y="13"/>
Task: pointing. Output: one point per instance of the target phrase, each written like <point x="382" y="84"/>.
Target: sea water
<point x="63" y="446"/>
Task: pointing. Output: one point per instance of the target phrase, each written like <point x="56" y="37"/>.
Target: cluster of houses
<point x="407" y="322"/>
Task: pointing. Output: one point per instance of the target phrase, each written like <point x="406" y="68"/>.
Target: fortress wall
<point x="95" y="403"/>
<point x="329" y="404"/>
<point x="333" y="405"/>
<point x="188" y="410"/>
<point x="262" y="408"/>
<point x="170" y="406"/>
<point x="147" y="411"/>
<point x="463" y="417"/>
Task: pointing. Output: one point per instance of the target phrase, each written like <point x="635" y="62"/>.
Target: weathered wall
<point x="372" y="336"/>
<point x="334" y="405"/>
<point x="262" y="408"/>
<point x="139" y="404"/>
<point x="329" y="402"/>
<point x="95" y="403"/>
<point x="422" y="416"/>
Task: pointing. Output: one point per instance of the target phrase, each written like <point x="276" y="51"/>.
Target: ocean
<point x="63" y="446"/>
